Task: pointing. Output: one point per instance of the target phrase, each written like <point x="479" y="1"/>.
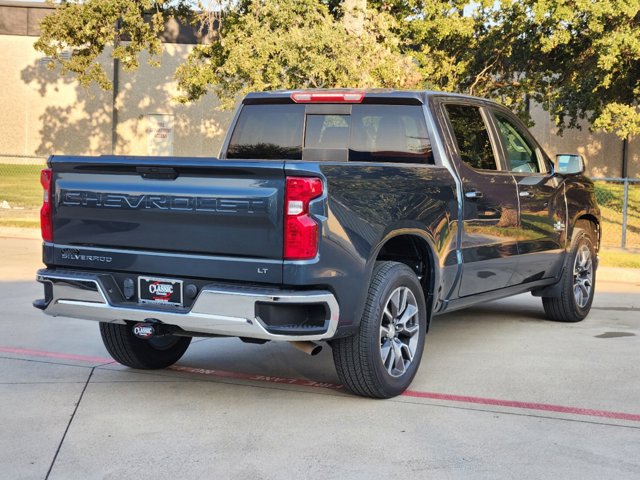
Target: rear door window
<point x="472" y="136"/>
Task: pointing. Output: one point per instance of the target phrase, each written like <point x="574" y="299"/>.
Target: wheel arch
<point x="554" y="290"/>
<point x="596" y="226"/>
<point x="416" y="251"/>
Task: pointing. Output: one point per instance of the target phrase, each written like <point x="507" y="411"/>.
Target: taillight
<point x="300" y="230"/>
<point x="46" y="212"/>
<point x="327" y="97"/>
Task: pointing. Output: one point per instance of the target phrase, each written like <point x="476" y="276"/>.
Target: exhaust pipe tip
<point x="310" y="348"/>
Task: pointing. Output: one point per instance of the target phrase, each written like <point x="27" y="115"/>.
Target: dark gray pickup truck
<point x="351" y="217"/>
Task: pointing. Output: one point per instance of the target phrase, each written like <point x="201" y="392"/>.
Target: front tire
<point x="578" y="279"/>
<point x="382" y="358"/>
<point x="134" y="352"/>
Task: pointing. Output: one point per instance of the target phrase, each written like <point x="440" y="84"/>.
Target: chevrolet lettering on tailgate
<point x="71" y="198"/>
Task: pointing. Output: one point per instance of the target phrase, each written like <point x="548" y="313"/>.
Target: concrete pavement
<point x="501" y="393"/>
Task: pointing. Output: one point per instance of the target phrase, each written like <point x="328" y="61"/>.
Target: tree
<point x="438" y="34"/>
<point x="284" y="44"/>
<point x="259" y="45"/>
<point x="580" y="59"/>
<point x="88" y="27"/>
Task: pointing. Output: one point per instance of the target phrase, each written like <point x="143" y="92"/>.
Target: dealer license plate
<point x="164" y="291"/>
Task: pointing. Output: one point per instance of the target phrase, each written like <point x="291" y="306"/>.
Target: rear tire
<point x="382" y="358"/>
<point x="134" y="352"/>
<point x="578" y="279"/>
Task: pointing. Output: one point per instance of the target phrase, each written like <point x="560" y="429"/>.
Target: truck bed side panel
<point x="367" y="204"/>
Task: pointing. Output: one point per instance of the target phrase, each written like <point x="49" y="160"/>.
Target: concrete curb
<point x="618" y="274"/>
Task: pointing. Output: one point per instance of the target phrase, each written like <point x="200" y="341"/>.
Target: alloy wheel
<point x="582" y="276"/>
<point x="398" y="331"/>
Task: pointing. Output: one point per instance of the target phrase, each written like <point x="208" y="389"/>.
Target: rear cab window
<point x="367" y="133"/>
<point x="268" y="132"/>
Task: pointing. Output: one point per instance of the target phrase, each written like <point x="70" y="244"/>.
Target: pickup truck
<point x="351" y="217"/>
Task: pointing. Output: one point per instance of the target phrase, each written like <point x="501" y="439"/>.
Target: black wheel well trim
<point x="590" y="218"/>
<point x="425" y="242"/>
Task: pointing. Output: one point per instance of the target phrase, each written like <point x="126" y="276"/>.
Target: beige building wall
<point x="634" y="157"/>
<point x="198" y="128"/>
<point x="602" y="151"/>
<point x="44" y="113"/>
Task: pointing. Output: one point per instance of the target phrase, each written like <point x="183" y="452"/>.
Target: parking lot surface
<point x="501" y="393"/>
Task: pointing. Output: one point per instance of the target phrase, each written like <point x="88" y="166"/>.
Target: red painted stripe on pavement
<point x="60" y="356"/>
<point x="310" y="383"/>
<point x="257" y="378"/>
<point x="178" y="368"/>
<point x="524" y="405"/>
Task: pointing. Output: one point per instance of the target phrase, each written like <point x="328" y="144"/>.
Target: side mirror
<point x="567" y="164"/>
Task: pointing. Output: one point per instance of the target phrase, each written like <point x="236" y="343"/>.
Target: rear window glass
<point x="389" y="133"/>
<point x="268" y="132"/>
<point x="372" y="133"/>
<point x="327" y="131"/>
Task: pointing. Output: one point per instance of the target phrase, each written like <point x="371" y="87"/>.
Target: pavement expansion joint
<point x="512" y="413"/>
<point x="64" y="435"/>
<point x="48" y="362"/>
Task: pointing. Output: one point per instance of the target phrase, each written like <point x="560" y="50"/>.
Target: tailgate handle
<point x="158" y="173"/>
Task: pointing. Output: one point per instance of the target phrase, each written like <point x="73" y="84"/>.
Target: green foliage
<point x="438" y="35"/>
<point x="88" y="27"/>
<point x="281" y="44"/>
<point x="622" y="118"/>
<point x="580" y="59"/>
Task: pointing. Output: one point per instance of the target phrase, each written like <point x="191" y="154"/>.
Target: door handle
<point x="526" y="194"/>
<point x="473" y="194"/>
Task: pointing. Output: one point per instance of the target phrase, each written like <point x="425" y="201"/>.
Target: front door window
<point x="521" y="155"/>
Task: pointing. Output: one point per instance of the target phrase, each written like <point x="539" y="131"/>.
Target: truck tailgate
<point x="189" y="206"/>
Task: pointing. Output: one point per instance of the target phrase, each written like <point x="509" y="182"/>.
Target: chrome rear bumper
<point x="217" y="310"/>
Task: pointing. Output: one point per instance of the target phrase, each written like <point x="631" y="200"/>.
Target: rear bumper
<point x="219" y="309"/>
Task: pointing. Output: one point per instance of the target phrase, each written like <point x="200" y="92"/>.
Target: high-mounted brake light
<point x="327" y="97"/>
<point x="46" y="212"/>
<point x="300" y="230"/>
